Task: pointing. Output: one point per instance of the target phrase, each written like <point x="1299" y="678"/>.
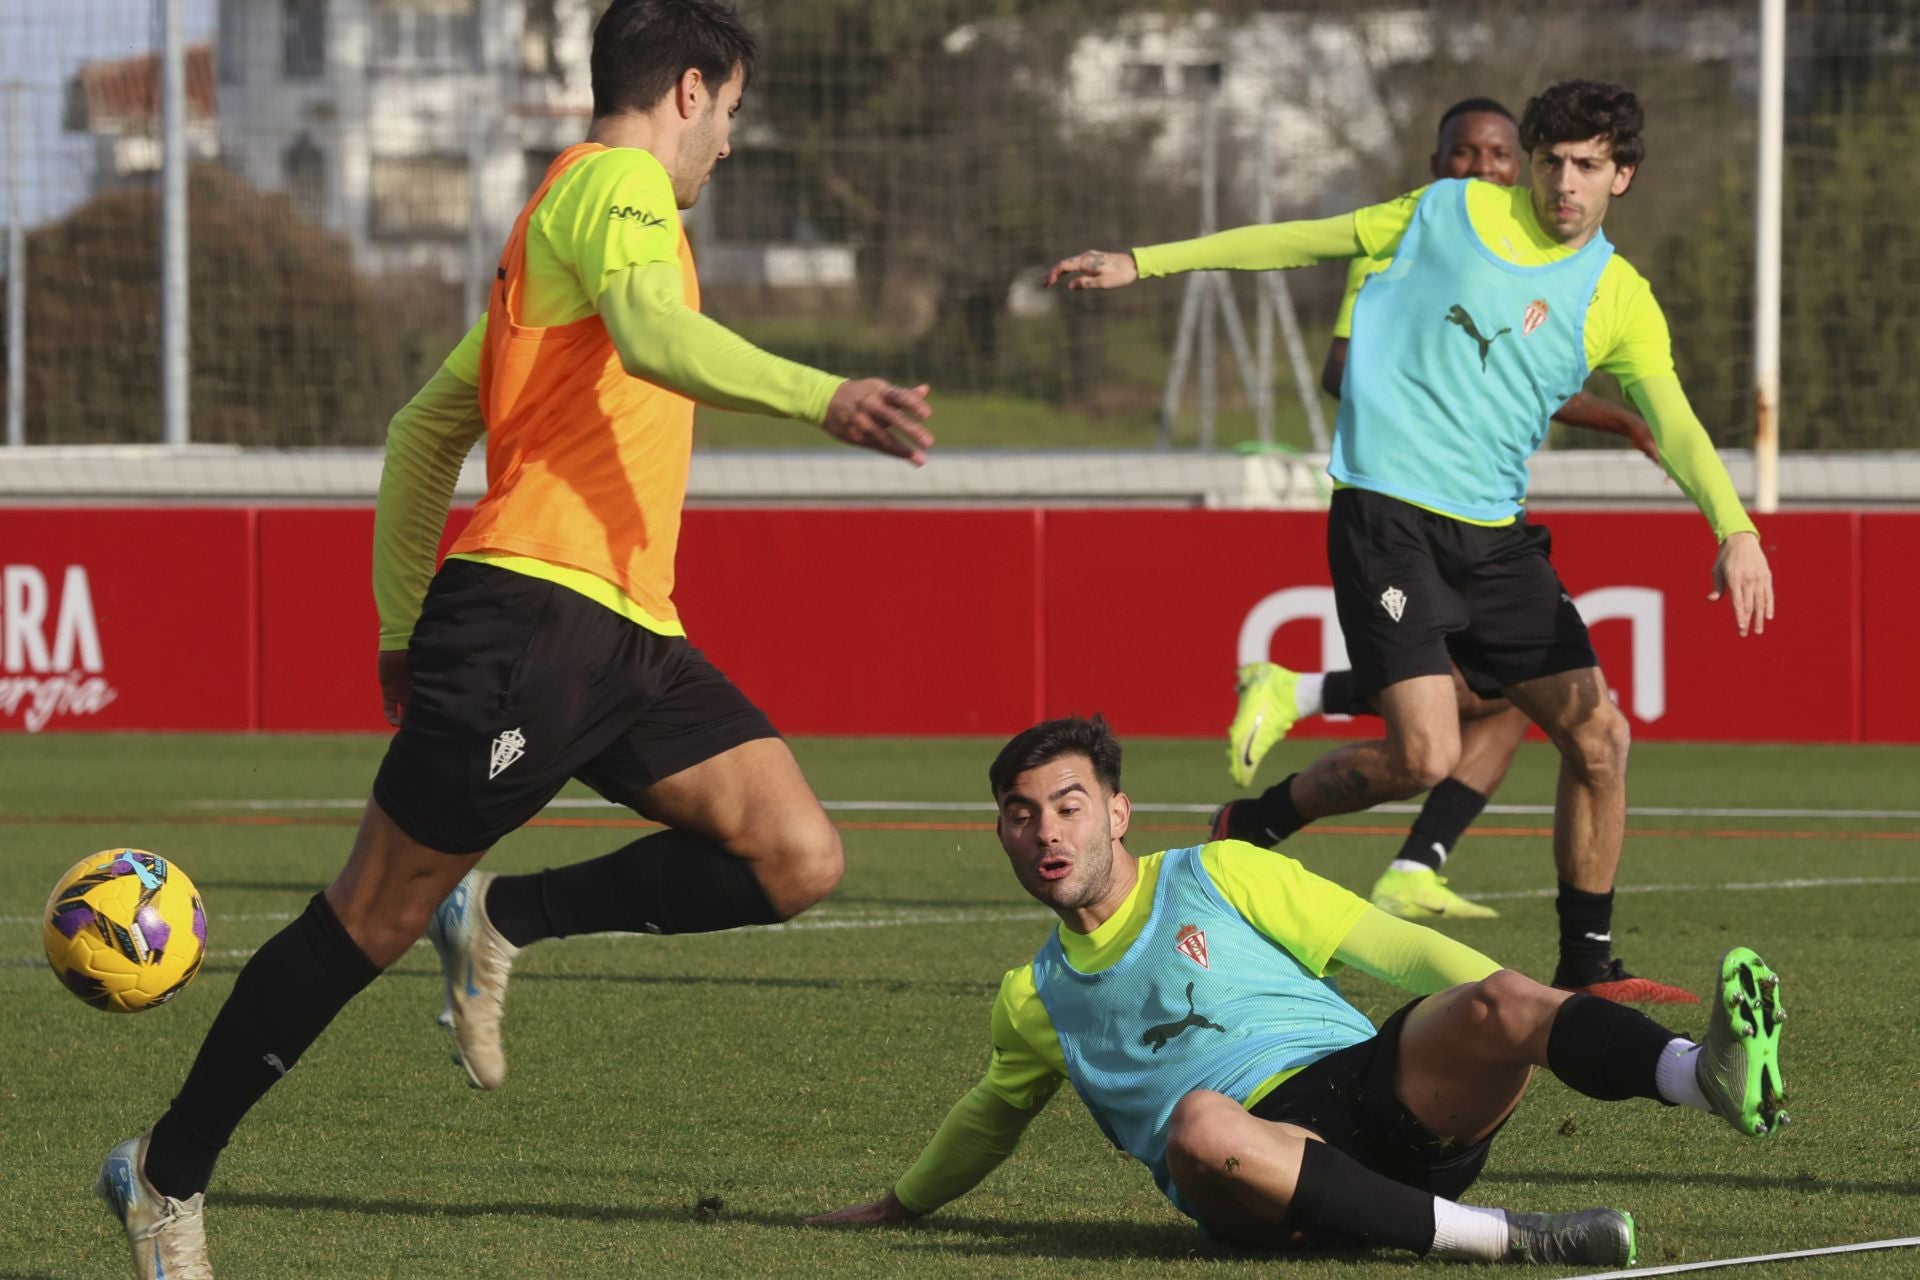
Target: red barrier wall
<point x="940" y="621"/>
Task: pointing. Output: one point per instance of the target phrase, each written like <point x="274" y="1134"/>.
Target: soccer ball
<point x="125" y="930"/>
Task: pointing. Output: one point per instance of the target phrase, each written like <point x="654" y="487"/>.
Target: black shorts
<point x="1419" y="593"/>
<point x="520" y="684"/>
<point x="1349" y="1098"/>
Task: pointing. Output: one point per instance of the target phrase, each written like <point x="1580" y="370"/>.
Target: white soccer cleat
<point x="475" y="961"/>
<point x="169" y="1237"/>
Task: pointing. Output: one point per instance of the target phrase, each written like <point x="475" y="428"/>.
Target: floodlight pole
<point x="16" y="280"/>
<point x="175" y="339"/>
<point x="1766" y="269"/>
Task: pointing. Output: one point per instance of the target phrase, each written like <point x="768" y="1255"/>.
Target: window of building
<point x="306" y="178"/>
<point x="231" y="41"/>
<point x="442" y="35"/>
<point x="425" y="196"/>
<point x="306" y="38"/>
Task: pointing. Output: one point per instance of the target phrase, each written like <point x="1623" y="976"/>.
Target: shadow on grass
<point x="1098" y="1241"/>
<point x="1731" y="1181"/>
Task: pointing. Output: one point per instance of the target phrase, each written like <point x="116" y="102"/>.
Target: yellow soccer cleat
<point x="1267" y="711"/>
<point x="1423" y="895"/>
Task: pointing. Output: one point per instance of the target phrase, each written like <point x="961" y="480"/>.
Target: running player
<point x="1185" y="994"/>
<point x="547" y="646"/>
<point x="1497" y="304"/>
<point x="1477" y="138"/>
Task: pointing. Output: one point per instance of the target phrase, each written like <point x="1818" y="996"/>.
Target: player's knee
<point x="1597" y="747"/>
<point x="1426" y="765"/>
<point x="1200" y="1134"/>
<point x="1505" y="1006"/>
<point x="805" y="867"/>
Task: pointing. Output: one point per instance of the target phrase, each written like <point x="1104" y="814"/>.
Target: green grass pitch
<point x="676" y="1105"/>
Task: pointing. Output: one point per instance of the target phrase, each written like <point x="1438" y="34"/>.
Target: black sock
<point x="1586" y="936"/>
<point x="669" y="882"/>
<point x="283" y="999"/>
<point x="1450" y="808"/>
<point x="1271" y="815"/>
<point x="1336" y="696"/>
<point x="1337" y="1195"/>
<point x="1606" y="1050"/>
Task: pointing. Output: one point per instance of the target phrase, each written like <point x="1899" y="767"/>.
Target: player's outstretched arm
<point x="1741" y="573"/>
<point x="1410" y="956"/>
<point x="980" y="1131"/>
<point x="1595" y="414"/>
<point x="668" y="343"/>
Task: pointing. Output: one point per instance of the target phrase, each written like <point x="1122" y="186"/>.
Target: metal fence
<point x="902" y="172"/>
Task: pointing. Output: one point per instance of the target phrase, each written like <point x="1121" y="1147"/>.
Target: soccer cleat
<point x="1238" y="820"/>
<point x="1267" y="711"/>
<point x="169" y="1237"/>
<point x="1739" y="1063"/>
<point x="1423" y="895"/>
<point x="474" y="961"/>
<point x="1621" y="987"/>
<point x="1589" y="1237"/>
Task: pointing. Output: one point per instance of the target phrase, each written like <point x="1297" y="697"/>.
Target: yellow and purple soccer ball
<point x="125" y="930"/>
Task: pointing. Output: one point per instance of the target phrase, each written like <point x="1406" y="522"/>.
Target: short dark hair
<point x="1575" y="110"/>
<point x="641" y="48"/>
<point x="1051" y="739"/>
<point x="1470" y="106"/>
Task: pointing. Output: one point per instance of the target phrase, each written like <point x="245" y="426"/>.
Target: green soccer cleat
<point x="1590" y="1237"/>
<point x="1267" y="711"/>
<point x="1423" y="895"/>
<point x="1739" y="1063"/>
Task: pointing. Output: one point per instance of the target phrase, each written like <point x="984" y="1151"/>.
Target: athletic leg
<point x="1421" y="747"/>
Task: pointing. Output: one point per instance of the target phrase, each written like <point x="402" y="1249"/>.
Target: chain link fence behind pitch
<point x="902" y="172"/>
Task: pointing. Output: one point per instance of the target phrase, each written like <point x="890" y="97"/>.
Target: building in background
<point x="118" y="103"/>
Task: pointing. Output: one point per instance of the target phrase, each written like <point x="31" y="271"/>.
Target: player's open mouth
<point x="1054" y="868"/>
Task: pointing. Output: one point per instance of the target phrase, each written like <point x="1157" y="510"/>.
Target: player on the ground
<point x="547" y="646"/>
<point x="1185" y="995"/>
<point x="1477" y="138"/>
<point x="1496" y="305"/>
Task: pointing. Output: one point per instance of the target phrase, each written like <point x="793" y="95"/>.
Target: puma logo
<point x="1457" y="314"/>
<point x="1158" y="1036"/>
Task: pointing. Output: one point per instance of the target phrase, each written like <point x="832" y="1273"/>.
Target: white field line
<point x="984" y="806"/>
<point x="825" y="919"/>
<point x="1635" y="1273"/>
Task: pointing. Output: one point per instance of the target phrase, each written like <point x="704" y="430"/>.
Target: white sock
<point x="1464" y="1231"/>
<point x="1306" y="694"/>
<point x="1674" y="1075"/>
<point x="1407" y="864"/>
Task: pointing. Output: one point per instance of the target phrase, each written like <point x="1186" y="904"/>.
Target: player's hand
<point x="1741" y="571"/>
<point x="396" y="682"/>
<point x="874" y="414"/>
<point x="1095" y="269"/>
<point x="1642" y="437"/>
<point x="886" y="1211"/>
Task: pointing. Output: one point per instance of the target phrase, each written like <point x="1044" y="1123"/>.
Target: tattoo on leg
<point x="1351" y="785"/>
<point x="1233" y="1162"/>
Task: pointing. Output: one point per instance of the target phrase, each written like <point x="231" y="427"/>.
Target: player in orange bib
<point x="547" y="647"/>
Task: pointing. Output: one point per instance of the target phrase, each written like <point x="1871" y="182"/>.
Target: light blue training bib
<point x="1201" y="1000"/>
<point x="1459" y="360"/>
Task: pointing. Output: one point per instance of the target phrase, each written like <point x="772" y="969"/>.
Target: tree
<point x="289" y="345"/>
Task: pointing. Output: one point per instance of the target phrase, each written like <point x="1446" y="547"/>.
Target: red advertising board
<point x="870" y="622"/>
<point x="126" y="618"/>
<point x="319" y="633"/>
<point x="944" y="621"/>
<point x="1889" y="640"/>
